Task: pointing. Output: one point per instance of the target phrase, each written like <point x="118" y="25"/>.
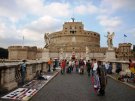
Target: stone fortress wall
<point x="24" y="52"/>
<point x="124" y="52"/>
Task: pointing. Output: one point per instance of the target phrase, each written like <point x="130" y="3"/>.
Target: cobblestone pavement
<point x="75" y="87"/>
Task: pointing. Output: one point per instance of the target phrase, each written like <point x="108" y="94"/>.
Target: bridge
<point x="67" y="87"/>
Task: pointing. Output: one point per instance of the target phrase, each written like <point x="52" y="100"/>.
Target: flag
<point x="23" y="37"/>
<point x="125" y="35"/>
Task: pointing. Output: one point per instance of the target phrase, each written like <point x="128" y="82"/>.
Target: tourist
<point x="102" y="79"/>
<point x="106" y="66"/>
<point x="63" y="65"/>
<point x="49" y="65"/>
<point x="92" y="65"/>
<point x="69" y="66"/>
<point x="132" y="68"/>
<point x="88" y="65"/>
<point x="23" y="71"/>
<point x="77" y="65"/>
<point x="73" y="64"/>
<point x="95" y="66"/>
<point x="81" y="66"/>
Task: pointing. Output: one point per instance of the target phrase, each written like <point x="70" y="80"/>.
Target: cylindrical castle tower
<point x="73" y="37"/>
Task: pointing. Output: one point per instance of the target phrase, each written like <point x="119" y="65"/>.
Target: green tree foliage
<point x="3" y="53"/>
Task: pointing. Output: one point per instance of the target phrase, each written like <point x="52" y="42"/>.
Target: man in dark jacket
<point x="23" y="71"/>
<point x="102" y="78"/>
<point x="88" y="64"/>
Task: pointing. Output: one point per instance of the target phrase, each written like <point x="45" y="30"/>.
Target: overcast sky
<point x="33" y="18"/>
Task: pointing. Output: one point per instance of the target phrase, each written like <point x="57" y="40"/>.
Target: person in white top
<point x="95" y="65"/>
<point x="95" y="73"/>
<point x="107" y="66"/>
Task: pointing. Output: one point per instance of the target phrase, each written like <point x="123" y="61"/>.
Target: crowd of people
<point x="96" y="70"/>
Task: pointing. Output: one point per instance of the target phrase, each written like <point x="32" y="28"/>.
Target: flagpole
<point x="23" y="41"/>
<point x="125" y="37"/>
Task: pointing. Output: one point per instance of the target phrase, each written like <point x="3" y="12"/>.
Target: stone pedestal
<point x="45" y="54"/>
<point x="110" y="55"/>
<point x="87" y="57"/>
<point x="9" y="79"/>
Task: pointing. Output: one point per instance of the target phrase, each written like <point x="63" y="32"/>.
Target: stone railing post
<point x="45" y="67"/>
<point x="8" y="78"/>
<point x="29" y="74"/>
<point x="125" y="66"/>
<point x="113" y="67"/>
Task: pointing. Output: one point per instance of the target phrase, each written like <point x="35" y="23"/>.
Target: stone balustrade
<point x="10" y="73"/>
<point x="123" y="65"/>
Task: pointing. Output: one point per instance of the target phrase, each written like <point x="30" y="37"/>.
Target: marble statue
<point x="110" y="40"/>
<point x="47" y="39"/>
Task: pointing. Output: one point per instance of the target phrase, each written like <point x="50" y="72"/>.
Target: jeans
<point x="23" y="76"/>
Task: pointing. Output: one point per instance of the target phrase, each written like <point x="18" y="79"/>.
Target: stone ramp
<point x="76" y="87"/>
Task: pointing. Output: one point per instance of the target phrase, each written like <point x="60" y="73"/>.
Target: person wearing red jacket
<point x="63" y="65"/>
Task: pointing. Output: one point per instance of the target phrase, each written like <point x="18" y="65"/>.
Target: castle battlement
<point x="125" y="44"/>
<point x="34" y="48"/>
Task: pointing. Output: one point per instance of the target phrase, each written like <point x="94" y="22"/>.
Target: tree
<point x="3" y="53"/>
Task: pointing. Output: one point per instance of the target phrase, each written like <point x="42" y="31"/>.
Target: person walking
<point x="88" y="65"/>
<point x="63" y="65"/>
<point x="23" y="71"/>
<point x="95" y="66"/>
<point x="77" y="65"/>
<point x="82" y="66"/>
<point x="49" y="65"/>
<point x="102" y="78"/>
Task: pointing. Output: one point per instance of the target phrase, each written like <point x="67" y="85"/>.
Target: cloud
<point x="38" y="7"/>
<point x="7" y="31"/>
<point x="111" y="6"/>
<point x="10" y="10"/>
<point x="110" y="23"/>
<point x="34" y="32"/>
<point x="86" y="9"/>
<point x="44" y="24"/>
<point x="57" y="9"/>
<point x="18" y="9"/>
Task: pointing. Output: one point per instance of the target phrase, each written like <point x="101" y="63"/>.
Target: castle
<point x="72" y="42"/>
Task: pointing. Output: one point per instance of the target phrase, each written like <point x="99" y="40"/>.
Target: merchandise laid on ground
<point x="28" y="90"/>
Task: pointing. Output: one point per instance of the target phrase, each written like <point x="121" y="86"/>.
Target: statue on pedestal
<point x="110" y="40"/>
<point x="47" y="39"/>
